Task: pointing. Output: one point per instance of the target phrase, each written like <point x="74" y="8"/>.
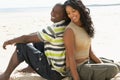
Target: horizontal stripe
<point x="60" y="29"/>
<point x="51" y="39"/>
<point x="57" y="42"/>
<point x="54" y="49"/>
<point x="59" y="65"/>
<point x="54" y="46"/>
<point x="47" y="44"/>
<point x="61" y="58"/>
<point x="47" y="32"/>
<point x="46" y="37"/>
<point x="62" y="25"/>
<point x="61" y="45"/>
<point x="60" y="70"/>
<point x="49" y="54"/>
<point x="60" y="34"/>
<point x="57" y="60"/>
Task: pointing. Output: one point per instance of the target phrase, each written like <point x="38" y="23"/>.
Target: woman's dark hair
<point x="84" y="15"/>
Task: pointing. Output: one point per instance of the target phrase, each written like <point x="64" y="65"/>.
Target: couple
<point x="67" y="47"/>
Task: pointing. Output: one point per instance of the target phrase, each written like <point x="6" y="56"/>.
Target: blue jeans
<point x="37" y="60"/>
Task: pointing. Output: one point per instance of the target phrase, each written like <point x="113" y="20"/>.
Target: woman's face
<point x="73" y="14"/>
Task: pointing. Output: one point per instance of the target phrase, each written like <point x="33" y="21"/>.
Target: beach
<point x="105" y="43"/>
<point x="13" y="24"/>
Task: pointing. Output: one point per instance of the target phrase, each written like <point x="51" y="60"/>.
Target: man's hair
<point x="67" y="19"/>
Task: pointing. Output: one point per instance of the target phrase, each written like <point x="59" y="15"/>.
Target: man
<point x="51" y="63"/>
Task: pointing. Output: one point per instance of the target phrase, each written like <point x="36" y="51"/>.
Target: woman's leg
<point x="104" y="71"/>
<point x="13" y="63"/>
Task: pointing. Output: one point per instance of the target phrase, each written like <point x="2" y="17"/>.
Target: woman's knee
<point x="112" y="70"/>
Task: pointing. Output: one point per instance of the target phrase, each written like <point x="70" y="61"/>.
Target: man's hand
<point x="9" y="42"/>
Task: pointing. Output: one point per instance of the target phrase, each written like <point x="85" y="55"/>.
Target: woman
<point x="77" y="39"/>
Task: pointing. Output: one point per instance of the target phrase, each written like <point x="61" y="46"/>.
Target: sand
<point x="13" y="24"/>
<point x="16" y="24"/>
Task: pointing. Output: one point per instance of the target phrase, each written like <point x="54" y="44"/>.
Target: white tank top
<point x="82" y="41"/>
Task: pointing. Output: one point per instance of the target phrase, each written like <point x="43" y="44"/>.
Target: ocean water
<point x="26" y="9"/>
<point x="93" y="3"/>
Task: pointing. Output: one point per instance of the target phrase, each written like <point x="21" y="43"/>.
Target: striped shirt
<point x="54" y="45"/>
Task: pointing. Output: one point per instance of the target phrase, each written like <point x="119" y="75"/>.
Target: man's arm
<point x="31" y="38"/>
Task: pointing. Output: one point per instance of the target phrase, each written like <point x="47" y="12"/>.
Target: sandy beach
<point x="105" y="43"/>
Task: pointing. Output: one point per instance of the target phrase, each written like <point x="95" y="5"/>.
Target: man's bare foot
<point x="28" y="69"/>
<point x="4" y="76"/>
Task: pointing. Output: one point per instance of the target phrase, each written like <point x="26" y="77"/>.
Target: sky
<point x="27" y="3"/>
<point x="45" y="3"/>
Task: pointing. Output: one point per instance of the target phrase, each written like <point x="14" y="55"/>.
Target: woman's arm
<point x="70" y="53"/>
<point x="22" y="39"/>
<point x="94" y="57"/>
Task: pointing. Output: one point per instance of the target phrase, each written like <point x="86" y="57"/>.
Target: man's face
<point x="57" y="13"/>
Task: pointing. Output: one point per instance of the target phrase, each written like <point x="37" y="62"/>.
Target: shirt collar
<point x="60" y="22"/>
